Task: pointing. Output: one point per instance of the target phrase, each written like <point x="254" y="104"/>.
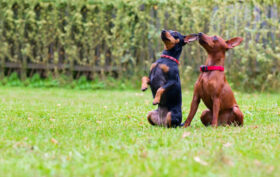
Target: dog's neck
<point x="216" y="59"/>
<point x="174" y="52"/>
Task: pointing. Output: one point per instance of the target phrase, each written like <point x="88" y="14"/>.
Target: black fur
<point x="170" y="81"/>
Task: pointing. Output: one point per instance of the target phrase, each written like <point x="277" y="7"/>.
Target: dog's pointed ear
<point x="231" y="43"/>
<point x="190" y="38"/>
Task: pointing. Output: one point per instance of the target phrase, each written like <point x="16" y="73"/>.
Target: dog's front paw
<point x="155" y="102"/>
<point x="186" y="124"/>
<point x="214" y="125"/>
<point x="144" y="89"/>
<point x="145" y="82"/>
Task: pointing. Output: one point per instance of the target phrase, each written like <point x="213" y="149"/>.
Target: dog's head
<point x="175" y="40"/>
<point x="215" y="44"/>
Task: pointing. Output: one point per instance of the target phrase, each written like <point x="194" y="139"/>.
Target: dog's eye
<point x="215" y="38"/>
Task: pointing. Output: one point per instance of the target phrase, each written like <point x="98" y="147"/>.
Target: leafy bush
<point x="121" y="38"/>
<point x="65" y="81"/>
<point x="14" y="80"/>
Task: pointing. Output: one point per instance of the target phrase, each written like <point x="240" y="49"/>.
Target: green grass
<point x="63" y="132"/>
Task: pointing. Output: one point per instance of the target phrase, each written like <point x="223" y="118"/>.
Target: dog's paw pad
<point x="155" y="103"/>
<point x="144" y="89"/>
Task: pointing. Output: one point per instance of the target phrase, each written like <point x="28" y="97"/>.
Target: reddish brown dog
<point x="212" y="86"/>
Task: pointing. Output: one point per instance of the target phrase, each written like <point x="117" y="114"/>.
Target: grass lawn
<point x="60" y="132"/>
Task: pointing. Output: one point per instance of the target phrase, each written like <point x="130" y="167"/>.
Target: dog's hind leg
<point x="153" y="117"/>
<point x="206" y="117"/>
<point x="176" y="117"/>
<point x="145" y="82"/>
<point x="238" y="116"/>
<point x="160" y="117"/>
<point x="226" y="117"/>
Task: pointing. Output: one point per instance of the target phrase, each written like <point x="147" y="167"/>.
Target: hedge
<point x="120" y="38"/>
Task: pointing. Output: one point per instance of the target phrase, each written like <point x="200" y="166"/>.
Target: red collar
<point x="170" y="58"/>
<point x="205" y="68"/>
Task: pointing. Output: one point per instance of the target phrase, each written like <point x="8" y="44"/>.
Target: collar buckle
<point x="204" y="68"/>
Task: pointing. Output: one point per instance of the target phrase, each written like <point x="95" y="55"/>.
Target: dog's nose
<point x="200" y="34"/>
<point x="163" y="31"/>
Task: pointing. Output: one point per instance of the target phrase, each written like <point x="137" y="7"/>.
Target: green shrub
<point x="122" y="37"/>
<point x="13" y="80"/>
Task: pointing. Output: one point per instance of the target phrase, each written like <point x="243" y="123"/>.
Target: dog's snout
<point x="163" y="35"/>
<point x="200" y="34"/>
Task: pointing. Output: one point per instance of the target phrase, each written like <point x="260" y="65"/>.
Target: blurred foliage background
<point x="119" y="39"/>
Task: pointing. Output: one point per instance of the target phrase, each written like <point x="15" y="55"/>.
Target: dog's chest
<point x="210" y="85"/>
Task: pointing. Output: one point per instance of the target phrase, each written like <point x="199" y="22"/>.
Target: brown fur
<point x="171" y="42"/>
<point x="213" y="88"/>
<point x="153" y="66"/>
<point x="145" y="82"/>
<point x="160" y="91"/>
<point x="164" y="68"/>
<point x="160" y="117"/>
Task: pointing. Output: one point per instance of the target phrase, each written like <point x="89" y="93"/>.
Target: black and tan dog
<point x="164" y="81"/>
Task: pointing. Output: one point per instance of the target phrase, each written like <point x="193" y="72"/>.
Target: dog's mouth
<point x="205" y="41"/>
<point x="206" y="44"/>
<point x="201" y="41"/>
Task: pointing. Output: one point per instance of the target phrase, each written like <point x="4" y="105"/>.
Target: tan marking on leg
<point x="153" y="66"/>
<point x="153" y="118"/>
<point x="158" y="95"/>
<point x="168" y="120"/>
<point x="164" y="67"/>
<point x="145" y="82"/>
<point x="149" y="117"/>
